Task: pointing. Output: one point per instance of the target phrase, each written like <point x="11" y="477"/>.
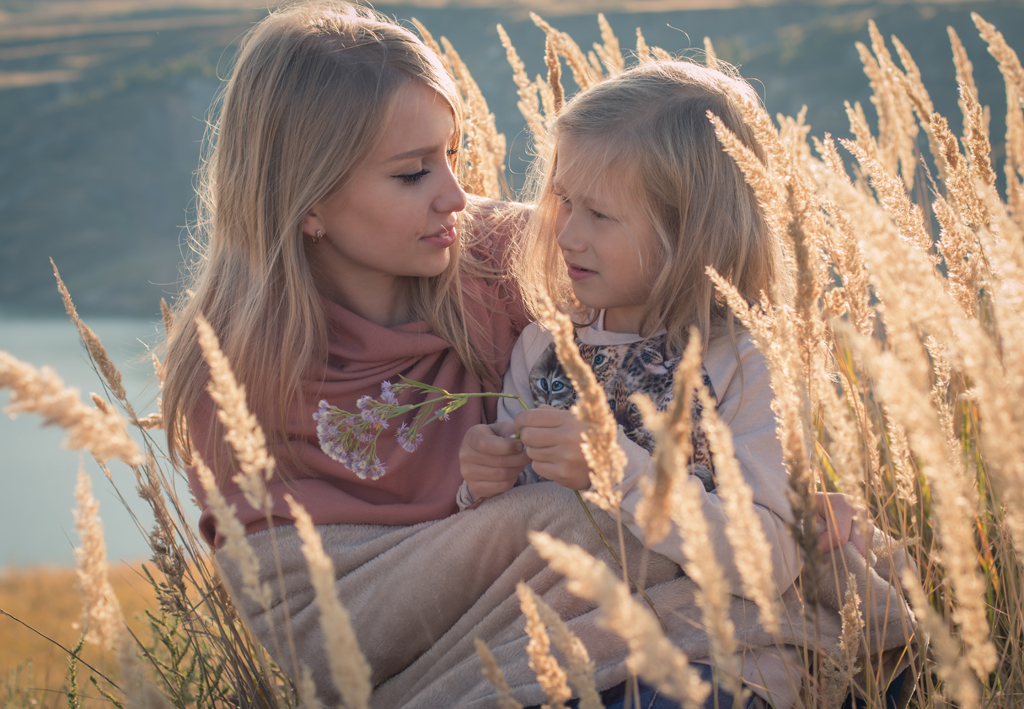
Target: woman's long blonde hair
<point x="308" y="99"/>
<point x="645" y="132"/>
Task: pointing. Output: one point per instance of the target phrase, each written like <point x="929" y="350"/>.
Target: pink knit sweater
<point x="418" y="486"/>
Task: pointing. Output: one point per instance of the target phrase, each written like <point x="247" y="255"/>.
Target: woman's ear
<point x="311" y="223"/>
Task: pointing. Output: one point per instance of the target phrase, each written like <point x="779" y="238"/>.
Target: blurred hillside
<point x="103" y="106"/>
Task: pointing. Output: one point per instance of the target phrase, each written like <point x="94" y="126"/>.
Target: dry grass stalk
<point x="584" y="72"/>
<point x="950" y="667"/>
<point x="101" y="611"/>
<point x="550" y="675"/>
<point x="609" y="51"/>
<point x="904" y="467"/>
<point x="307" y="689"/>
<point x="959" y="182"/>
<point x="235" y="544"/>
<point x="897" y="129"/>
<point x="892" y="194"/>
<point x="848" y="260"/>
<point x="41" y="391"/>
<point x="529" y="102"/>
<point x="554" y="74"/>
<point x="643" y="53"/>
<point x="349" y="670"/>
<point x="958" y="246"/>
<point x="651" y="654"/>
<point x="485" y="146"/>
<point x="1013" y="169"/>
<point x="600" y="446"/>
<point x="1009" y="63"/>
<point x="964" y="69"/>
<point x="976" y="137"/>
<point x="860" y="129"/>
<point x="673" y="448"/>
<point x="710" y="57"/>
<point x="840" y="668"/>
<point x="92" y="343"/>
<point x="580" y="670"/>
<point x="751" y="552"/>
<point x="684" y="506"/>
<point x="898" y="384"/>
<point x="243" y="431"/>
<point x="495" y="676"/>
<point x="912" y="84"/>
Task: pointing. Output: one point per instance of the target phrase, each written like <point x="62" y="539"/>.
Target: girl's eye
<point x="413" y="176"/>
<point x="598" y="215"/>
<point x="565" y="200"/>
<point x="451" y="152"/>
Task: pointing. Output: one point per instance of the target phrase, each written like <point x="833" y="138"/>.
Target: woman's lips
<point x="577" y="273"/>
<point x="442" y="239"/>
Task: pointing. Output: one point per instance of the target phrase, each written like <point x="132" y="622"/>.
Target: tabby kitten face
<point x="549" y="384"/>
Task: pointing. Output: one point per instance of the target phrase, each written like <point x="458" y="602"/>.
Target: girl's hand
<point x="837" y="524"/>
<point x="490" y="460"/>
<point x="552" y="438"/>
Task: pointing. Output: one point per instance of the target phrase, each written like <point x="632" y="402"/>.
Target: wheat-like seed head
<point x="349" y="670"/>
<point x="101" y="611"/>
<point x="600" y="446"/>
<point x="42" y="392"/>
<point x="550" y="675"/>
<point x="651" y="655"/>
<point x="495" y="676"/>
<point x="751" y="551"/>
<point x="244" y="432"/>
<point x="235" y="544"/>
<point x="580" y="672"/>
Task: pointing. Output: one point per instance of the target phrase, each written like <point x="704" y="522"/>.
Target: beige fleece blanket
<point x="419" y="595"/>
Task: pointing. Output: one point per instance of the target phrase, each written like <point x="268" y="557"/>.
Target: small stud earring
<point x="319" y="235"/>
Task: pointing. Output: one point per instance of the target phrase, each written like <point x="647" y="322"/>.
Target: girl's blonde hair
<point x="645" y="132"/>
<point x="308" y="99"/>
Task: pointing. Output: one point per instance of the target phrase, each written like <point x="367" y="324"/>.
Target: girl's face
<point x="608" y="246"/>
<point x="395" y="217"/>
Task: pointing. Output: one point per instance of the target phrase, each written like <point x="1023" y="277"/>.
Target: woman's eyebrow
<point x="417" y="153"/>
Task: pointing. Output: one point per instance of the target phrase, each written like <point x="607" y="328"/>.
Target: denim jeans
<point x="650" y="698"/>
<point x="615" y="698"/>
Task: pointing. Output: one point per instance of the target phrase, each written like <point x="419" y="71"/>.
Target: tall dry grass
<point x="897" y="365"/>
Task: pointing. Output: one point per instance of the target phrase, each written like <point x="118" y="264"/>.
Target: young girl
<point x="639" y="198"/>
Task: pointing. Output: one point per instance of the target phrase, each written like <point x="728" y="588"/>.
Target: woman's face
<point x="395" y="217"/>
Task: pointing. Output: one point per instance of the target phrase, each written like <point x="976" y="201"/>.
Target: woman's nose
<point x="451" y="198"/>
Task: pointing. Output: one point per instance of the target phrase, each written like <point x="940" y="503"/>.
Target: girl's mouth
<point x="442" y="239"/>
<point x="578" y="273"/>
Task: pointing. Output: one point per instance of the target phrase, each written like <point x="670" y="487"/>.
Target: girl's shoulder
<point x="735" y="365"/>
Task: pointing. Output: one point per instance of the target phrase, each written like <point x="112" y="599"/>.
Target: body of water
<point x="38" y="474"/>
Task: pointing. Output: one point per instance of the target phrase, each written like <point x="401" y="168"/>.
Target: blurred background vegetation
<point x="103" y="106"/>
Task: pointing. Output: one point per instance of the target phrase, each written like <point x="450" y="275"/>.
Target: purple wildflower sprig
<point x="351" y="438"/>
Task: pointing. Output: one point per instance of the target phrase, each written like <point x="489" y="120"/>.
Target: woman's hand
<point x="490" y="459"/>
<point x="552" y="438"/>
<point x="837" y="524"/>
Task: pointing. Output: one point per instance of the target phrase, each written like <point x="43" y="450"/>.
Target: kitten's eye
<point x="557" y="387"/>
<point x="611" y="404"/>
<point x="544" y="385"/>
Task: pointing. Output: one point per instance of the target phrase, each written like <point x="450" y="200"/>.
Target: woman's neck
<point x="385" y="304"/>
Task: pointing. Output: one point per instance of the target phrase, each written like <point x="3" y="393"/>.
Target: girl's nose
<point x="568" y="235"/>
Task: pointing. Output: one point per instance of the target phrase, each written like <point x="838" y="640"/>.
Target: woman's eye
<point x="451" y="152"/>
<point x="413" y="176"/>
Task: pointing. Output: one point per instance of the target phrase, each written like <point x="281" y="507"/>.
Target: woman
<point x="338" y="252"/>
